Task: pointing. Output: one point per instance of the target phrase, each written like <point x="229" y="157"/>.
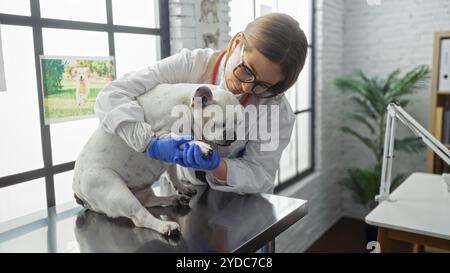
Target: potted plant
<point x="371" y="97"/>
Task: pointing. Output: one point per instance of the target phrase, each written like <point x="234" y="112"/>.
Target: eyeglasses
<point x="245" y="75"/>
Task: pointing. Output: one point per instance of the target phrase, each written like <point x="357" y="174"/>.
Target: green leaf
<point x="363" y="76"/>
<point x="364" y="184"/>
<point x="350" y="85"/>
<point x="366" y="141"/>
<point x="403" y="103"/>
<point x="409" y="144"/>
<point x="365" y="108"/>
<point x="415" y="79"/>
<point x="361" y="119"/>
<point x="390" y="80"/>
<point x="396" y="181"/>
<point x="368" y="90"/>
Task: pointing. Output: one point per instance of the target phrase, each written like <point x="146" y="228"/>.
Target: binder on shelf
<point x="446" y="127"/>
<point x="444" y="67"/>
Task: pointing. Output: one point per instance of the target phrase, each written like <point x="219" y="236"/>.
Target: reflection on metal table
<point x="214" y="222"/>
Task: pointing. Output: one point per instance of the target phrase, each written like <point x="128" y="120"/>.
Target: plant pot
<point x="371" y="233"/>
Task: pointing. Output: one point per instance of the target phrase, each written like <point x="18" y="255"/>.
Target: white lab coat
<point x="119" y="113"/>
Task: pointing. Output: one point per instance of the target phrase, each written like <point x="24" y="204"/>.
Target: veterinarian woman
<point x="258" y="66"/>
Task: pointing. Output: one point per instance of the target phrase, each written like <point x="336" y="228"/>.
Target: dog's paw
<point x="169" y="228"/>
<point x="205" y="148"/>
<point x="186" y="189"/>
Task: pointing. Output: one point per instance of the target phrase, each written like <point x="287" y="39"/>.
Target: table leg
<point x="269" y="247"/>
<point x="384" y="240"/>
<point x="418" y="248"/>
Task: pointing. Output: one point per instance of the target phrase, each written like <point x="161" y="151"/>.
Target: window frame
<point x="301" y="175"/>
<point x="37" y="23"/>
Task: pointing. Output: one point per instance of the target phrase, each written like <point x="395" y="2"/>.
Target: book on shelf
<point x="439" y="123"/>
<point x="446" y="127"/>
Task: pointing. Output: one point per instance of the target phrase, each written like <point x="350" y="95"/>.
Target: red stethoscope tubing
<point x="246" y="99"/>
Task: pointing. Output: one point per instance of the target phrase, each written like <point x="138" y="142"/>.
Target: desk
<point x="215" y="222"/>
<point x="420" y="214"/>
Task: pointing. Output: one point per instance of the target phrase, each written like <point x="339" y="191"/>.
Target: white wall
<point x="398" y="34"/>
<point x="350" y="35"/>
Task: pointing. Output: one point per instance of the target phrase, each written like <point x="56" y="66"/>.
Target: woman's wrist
<point x="221" y="171"/>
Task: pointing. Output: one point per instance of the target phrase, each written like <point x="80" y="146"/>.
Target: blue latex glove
<point x="167" y="149"/>
<point x="193" y="158"/>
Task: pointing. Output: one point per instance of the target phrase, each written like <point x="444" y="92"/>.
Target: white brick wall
<point x="380" y="39"/>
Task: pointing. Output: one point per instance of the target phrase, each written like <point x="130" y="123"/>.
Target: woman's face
<point x="264" y="70"/>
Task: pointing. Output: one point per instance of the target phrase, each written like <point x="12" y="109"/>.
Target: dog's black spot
<point x="173" y="233"/>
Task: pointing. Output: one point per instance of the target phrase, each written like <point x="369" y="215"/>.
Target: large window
<point x="39" y="157"/>
<point x="297" y="160"/>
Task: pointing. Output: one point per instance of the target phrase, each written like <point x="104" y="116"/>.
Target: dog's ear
<point x="205" y="94"/>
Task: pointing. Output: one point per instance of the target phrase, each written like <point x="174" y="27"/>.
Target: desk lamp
<point x="396" y="112"/>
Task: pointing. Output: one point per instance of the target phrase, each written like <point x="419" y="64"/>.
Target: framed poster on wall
<point x="207" y="22"/>
<point x="70" y="85"/>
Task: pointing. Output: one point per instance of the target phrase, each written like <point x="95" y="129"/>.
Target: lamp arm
<point x="396" y="112"/>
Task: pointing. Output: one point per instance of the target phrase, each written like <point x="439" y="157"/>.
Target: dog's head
<point x="220" y="112"/>
<point x="80" y="73"/>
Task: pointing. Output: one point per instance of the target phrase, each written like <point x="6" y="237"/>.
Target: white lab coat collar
<point x="221" y="74"/>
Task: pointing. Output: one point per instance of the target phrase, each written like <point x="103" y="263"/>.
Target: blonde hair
<point x="281" y="40"/>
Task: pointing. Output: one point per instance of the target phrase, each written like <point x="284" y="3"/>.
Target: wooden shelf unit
<point x="437" y="99"/>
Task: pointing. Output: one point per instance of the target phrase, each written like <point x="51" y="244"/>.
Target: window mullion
<point x="45" y="129"/>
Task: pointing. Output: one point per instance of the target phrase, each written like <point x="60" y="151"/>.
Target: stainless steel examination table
<point x="215" y="222"/>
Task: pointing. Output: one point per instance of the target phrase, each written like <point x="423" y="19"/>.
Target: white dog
<point x="112" y="178"/>
<point x="82" y="79"/>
